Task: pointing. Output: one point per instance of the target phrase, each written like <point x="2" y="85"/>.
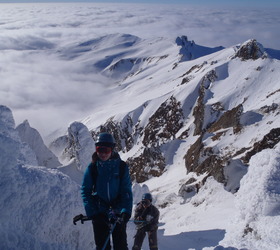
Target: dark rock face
<point x="150" y="163"/>
<point x="184" y="44"/>
<point x="206" y="160"/>
<point x="164" y="123"/>
<point x="230" y="118"/>
<point x="203" y="160"/>
<point x="199" y="109"/>
<point x="251" y="50"/>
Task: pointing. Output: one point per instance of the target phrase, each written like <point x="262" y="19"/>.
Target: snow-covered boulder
<point x="33" y="138"/>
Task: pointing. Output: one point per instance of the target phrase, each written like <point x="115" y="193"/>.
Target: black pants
<point x="140" y="236"/>
<point x="101" y="230"/>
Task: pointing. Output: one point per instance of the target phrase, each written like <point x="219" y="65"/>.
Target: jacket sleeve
<point x="86" y="192"/>
<point x="126" y="192"/>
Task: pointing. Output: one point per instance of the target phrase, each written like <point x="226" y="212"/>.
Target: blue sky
<point x="249" y="3"/>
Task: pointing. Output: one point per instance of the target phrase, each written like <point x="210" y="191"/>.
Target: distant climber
<point x="146" y="219"/>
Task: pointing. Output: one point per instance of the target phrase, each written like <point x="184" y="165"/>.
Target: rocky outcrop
<point x="185" y="45"/>
<point x="250" y="50"/>
<point x="164" y="123"/>
<point x="199" y="110"/>
<point x="230" y="118"/>
<point x="122" y="132"/>
<point x="203" y="160"/>
<point x="150" y="163"/>
<point x="268" y="141"/>
<point x="190" y="51"/>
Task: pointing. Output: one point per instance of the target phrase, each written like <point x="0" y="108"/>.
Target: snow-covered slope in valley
<point x="37" y="203"/>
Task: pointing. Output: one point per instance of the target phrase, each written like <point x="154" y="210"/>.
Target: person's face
<point x="104" y="153"/>
<point x="146" y="203"/>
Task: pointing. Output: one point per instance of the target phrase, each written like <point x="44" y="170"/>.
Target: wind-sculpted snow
<point x="37" y="204"/>
<point x="258" y="204"/>
<point x="81" y="145"/>
<point x="32" y="137"/>
<point x="75" y="147"/>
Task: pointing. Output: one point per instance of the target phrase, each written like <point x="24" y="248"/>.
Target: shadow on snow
<point x="188" y="240"/>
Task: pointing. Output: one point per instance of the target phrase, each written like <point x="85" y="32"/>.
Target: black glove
<point x="125" y="217"/>
<point x="82" y="218"/>
<point x="77" y="218"/>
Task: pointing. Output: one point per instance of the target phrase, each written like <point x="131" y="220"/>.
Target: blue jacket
<point x="110" y="190"/>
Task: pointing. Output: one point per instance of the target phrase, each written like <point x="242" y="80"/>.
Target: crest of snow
<point x="10" y="142"/>
<point x="32" y="137"/>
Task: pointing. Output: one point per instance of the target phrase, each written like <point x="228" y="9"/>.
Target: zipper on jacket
<point x="108" y="190"/>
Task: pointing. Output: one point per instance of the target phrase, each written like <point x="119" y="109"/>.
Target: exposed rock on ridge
<point x="251" y="50"/>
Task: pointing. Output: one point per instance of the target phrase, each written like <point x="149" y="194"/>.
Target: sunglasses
<point x="104" y="150"/>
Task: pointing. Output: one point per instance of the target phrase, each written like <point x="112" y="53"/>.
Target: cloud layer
<point x="39" y="82"/>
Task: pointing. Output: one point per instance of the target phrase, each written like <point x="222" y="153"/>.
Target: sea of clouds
<point x="43" y="84"/>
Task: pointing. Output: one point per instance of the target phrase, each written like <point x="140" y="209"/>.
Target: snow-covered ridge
<point x="218" y="96"/>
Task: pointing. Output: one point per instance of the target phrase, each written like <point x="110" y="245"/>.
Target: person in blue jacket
<point x="107" y="194"/>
